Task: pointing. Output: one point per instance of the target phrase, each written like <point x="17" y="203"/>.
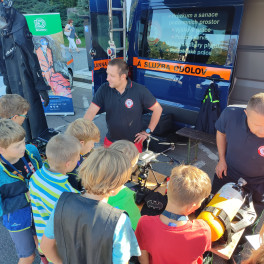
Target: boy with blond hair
<point x="17" y="163"/>
<point x="14" y="107"/>
<point x="85" y="229"/>
<point x="47" y="184"/>
<point x="87" y="133"/>
<point x="171" y="237"/>
<point x="128" y="149"/>
<point x="125" y="199"/>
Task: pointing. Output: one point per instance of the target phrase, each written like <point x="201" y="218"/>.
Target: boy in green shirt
<point x="125" y="199"/>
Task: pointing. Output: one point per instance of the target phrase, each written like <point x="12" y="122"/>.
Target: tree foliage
<point x="69" y="3"/>
<point x="83" y="7"/>
<point x="24" y="5"/>
<point x="55" y="6"/>
<point x="43" y="6"/>
<point x="83" y="10"/>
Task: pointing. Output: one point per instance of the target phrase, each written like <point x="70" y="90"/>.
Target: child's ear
<point x="2" y="150"/>
<point x="14" y="117"/>
<point x="82" y="143"/>
<point x="67" y="164"/>
<point x="114" y="192"/>
<point x="191" y="208"/>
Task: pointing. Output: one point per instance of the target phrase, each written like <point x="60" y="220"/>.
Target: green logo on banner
<point x="44" y="24"/>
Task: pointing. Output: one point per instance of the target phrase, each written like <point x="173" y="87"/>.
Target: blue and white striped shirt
<point x="45" y="189"/>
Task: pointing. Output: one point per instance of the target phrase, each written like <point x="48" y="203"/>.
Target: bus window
<point x="100" y="28"/>
<point x="194" y="35"/>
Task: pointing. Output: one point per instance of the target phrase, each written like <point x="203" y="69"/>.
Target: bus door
<point x="100" y="37"/>
<point x="178" y="47"/>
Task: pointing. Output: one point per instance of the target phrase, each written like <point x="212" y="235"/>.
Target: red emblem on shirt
<point x="129" y="103"/>
<point x="261" y="151"/>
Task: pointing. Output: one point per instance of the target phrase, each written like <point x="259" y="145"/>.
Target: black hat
<point x="154" y="204"/>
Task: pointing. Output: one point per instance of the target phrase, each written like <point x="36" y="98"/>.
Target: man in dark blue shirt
<point x="240" y="143"/>
<point x="124" y="102"/>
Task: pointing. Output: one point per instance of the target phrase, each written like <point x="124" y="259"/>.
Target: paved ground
<point x="80" y="59"/>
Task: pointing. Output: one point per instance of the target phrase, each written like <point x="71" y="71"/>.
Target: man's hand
<point x="221" y="168"/>
<point x="221" y="143"/>
<point x="141" y="136"/>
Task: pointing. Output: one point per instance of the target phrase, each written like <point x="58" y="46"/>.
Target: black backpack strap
<point x="224" y="218"/>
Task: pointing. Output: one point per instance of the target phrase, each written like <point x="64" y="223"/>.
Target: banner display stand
<point x="52" y="55"/>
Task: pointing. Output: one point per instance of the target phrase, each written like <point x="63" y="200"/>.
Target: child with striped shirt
<point x="48" y="183"/>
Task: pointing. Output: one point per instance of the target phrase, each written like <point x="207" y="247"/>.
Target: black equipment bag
<point x="163" y="127"/>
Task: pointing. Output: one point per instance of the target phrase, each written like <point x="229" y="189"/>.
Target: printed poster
<point x="54" y="61"/>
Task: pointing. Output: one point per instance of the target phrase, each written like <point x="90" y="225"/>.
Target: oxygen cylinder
<point x="230" y="199"/>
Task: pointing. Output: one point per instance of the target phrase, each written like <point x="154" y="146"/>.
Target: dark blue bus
<point x="174" y="49"/>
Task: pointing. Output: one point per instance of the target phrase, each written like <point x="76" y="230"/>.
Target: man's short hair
<point x="61" y="149"/>
<point x="127" y="148"/>
<point x="104" y="170"/>
<point x="121" y="64"/>
<point x="84" y="130"/>
<point x="256" y="103"/>
<point x="13" y="104"/>
<point x="188" y="185"/>
<point x="10" y="132"/>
